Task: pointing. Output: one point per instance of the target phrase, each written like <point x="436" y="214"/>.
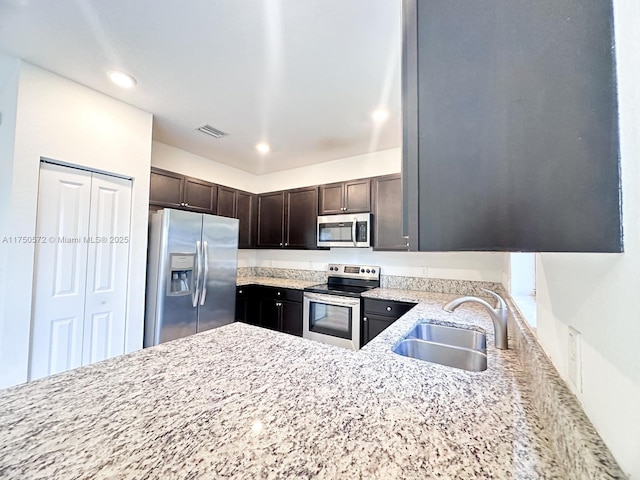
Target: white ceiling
<point x="302" y="75"/>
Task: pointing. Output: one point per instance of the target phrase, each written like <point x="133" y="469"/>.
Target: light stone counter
<point x="244" y="402"/>
<point x="296" y="284"/>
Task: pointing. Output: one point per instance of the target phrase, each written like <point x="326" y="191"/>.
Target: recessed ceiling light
<point x="380" y="115"/>
<point x="263" y="147"/>
<point x="121" y="79"/>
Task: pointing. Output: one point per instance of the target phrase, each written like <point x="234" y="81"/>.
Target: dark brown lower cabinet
<point x="274" y="308"/>
<point x="378" y="315"/>
<point x="245" y="309"/>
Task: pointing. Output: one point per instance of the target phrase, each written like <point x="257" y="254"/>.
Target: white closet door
<point x="107" y="269"/>
<point x="60" y="270"/>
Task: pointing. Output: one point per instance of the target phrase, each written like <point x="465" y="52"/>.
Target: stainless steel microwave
<point x="344" y="230"/>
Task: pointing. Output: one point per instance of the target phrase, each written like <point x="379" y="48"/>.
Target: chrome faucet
<point x="498" y="314"/>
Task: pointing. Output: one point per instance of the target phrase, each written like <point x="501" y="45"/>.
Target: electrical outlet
<point x="575" y="359"/>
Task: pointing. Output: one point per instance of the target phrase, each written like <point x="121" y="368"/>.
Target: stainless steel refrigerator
<point x="191" y="274"/>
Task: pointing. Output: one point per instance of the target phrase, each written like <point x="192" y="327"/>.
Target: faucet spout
<point x="498" y="314"/>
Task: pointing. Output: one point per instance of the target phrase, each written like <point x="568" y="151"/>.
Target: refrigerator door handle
<point x="196" y="288"/>
<point x="205" y="277"/>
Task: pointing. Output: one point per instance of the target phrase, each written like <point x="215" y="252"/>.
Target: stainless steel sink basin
<point x="450" y="346"/>
<point x="455" y="337"/>
<point x="464" y="358"/>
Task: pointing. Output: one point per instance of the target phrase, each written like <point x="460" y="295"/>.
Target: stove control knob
<point x="368" y="271"/>
<point x="373" y="270"/>
<point x="362" y="270"/>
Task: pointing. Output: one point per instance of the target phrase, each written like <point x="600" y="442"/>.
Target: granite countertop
<point x="245" y="402"/>
<point x="295" y="284"/>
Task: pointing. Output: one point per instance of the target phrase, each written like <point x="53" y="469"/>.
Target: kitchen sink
<point x="450" y="346"/>
<point x="455" y="337"/>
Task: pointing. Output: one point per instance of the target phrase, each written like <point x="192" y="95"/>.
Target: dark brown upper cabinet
<point x="345" y="197"/>
<point x="166" y="188"/>
<point x="200" y="196"/>
<point x="288" y="219"/>
<point x="301" y="219"/>
<point x="386" y="195"/>
<point x="234" y="203"/>
<point x="246" y="212"/>
<point x="226" y="201"/>
<point x="170" y="189"/>
<point x="510" y="126"/>
<point x="270" y="220"/>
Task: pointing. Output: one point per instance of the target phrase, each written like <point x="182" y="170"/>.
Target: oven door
<point x="332" y="319"/>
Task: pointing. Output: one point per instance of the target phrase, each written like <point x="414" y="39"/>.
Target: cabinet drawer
<point x="281" y="294"/>
<point x="387" y="308"/>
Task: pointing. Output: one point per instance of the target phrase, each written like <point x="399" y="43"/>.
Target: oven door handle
<point x="332" y="299"/>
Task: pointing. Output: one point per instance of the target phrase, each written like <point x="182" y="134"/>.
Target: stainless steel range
<point x="331" y="312"/>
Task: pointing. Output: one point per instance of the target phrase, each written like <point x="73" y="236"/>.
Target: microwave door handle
<point x="354" y="227"/>
<point x="196" y="287"/>
<point x="205" y="276"/>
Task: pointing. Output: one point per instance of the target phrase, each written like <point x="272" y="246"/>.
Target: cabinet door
<point x="166" y="188"/>
<point x="357" y="196"/>
<point x="291" y="318"/>
<point x="270" y="313"/>
<point x="301" y="217"/>
<point x="387" y="213"/>
<point x="245" y="299"/>
<point x="517" y="146"/>
<point x="331" y="199"/>
<point x="270" y="220"/>
<point x="371" y="327"/>
<point x="226" y="202"/>
<point x="200" y="196"/>
<point x="246" y="213"/>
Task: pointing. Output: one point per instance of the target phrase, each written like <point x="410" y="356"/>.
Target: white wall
<point x="360" y="166"/>
<point x="479" y="266"/>
<point x="9" y="75"/>
<point x="599" y="294"/>
<point x="62" y="120"/>
<point x="176" y="160"/>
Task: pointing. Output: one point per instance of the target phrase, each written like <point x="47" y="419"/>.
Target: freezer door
<point x="217" y="301"/>
<point x="172" y="284"/>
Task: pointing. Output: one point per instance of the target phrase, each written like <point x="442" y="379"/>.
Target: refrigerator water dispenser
<point x="181" y="266"/>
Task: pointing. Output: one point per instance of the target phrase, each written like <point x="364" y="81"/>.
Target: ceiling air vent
<point x="214" y="132"/>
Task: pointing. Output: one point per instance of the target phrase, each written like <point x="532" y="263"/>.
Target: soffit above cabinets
<point x="303" y="76"/>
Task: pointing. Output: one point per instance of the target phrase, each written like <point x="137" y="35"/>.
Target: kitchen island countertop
<point x="245" y="402"/>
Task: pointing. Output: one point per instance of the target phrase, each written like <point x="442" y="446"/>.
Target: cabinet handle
<point x="278" y="293"/>
<point x="364" y="319"/>
<point x="186" y="204"/>
<point x="388" y="309"/>
<point x="239" y="291"/>
<point x="280" y="243"/>
<point x="286" y="244"/>
<point x="278" y="304"/>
